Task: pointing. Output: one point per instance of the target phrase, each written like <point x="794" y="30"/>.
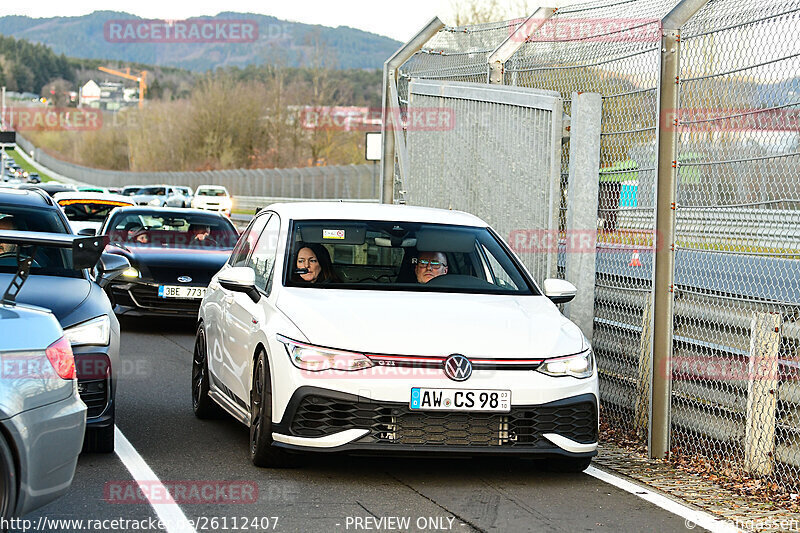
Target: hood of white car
<point x="434" y="324"/>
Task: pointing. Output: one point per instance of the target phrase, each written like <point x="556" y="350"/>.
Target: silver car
<point x="42" y="418"/>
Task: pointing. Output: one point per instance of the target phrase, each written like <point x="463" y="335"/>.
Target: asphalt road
<point x="328" y="493"/>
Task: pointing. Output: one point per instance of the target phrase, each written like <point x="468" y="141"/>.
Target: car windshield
<point x="152" y="191"/>
<point x="47" y="261"/>
<point x="130" y="191"/>
<point x="379" y="255"/>
<point x="89" y="210"/>
<point x="148" y="229"/>
<point x="211" y="192"/>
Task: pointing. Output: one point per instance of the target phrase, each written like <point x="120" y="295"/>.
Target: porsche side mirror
<point x="109" y="267"/>
<point x="559" y="291"/>
<point x="240" y="279"/>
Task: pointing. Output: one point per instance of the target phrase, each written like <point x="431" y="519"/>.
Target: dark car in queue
<point x="42" y="417"/>
<point x="76" y="298"/>
<point x="173" y="253"/>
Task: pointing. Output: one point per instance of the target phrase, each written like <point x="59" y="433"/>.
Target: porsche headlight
<point x="130" y="273"/>
<point x="578" y="366"/>
<point x="316" y="359"/>
<point x="92" y="332"/>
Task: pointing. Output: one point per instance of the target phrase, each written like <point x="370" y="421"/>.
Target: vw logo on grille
<point x="185" y="279"/>
<point x="457" y="367"/>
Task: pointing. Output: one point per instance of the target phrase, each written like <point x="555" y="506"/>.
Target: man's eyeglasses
<point x="424" y="263"/>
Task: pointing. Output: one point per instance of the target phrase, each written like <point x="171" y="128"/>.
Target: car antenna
<point x="23" y="271"/>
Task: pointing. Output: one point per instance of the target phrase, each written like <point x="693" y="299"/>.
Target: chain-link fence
<point x="314" y="183"/>
<point x="735" y="393"/>
<point x="735" y="290"/>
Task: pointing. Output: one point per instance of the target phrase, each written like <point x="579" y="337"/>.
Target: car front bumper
<point x="141" y="299"/>
<point x="48" y="440"/>
<point x="324" y="420"/>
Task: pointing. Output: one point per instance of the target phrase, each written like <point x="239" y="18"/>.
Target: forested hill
<point x="279" y="42"/>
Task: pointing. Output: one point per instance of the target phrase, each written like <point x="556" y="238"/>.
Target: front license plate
<point x="423" y="399"/>
<point x="177" y="291"/>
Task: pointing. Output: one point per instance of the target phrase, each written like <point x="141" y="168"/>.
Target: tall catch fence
<point x="314" y="183"/>
<point x="700" y="133"/>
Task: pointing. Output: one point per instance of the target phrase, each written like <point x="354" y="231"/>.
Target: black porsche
<point x="173" y="254"/>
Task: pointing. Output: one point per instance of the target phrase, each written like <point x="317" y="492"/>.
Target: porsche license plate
<point x="423" y="399"/>
<point x="177" y="291"/>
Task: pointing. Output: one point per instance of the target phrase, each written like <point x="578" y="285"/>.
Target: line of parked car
<point x="12" y="173"/>
<point x="207" y="197"/>
<point x="60" y="250"/>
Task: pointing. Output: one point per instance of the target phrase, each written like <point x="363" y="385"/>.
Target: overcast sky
<point x="399" y="19"/>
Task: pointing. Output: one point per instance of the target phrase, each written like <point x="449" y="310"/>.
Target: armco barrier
<point x="334" y="182"/>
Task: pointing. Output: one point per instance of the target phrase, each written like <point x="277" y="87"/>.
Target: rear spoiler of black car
<point x="86" y="251"/>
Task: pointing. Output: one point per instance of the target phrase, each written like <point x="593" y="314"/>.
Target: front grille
<point x="94" y="393"/>
<point x="170" y="275"/>
<point x="317" y="416"/>
<point x="147" y="297"/>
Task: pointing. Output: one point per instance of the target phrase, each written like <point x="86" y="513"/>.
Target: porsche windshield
<point x="379" y="255"/>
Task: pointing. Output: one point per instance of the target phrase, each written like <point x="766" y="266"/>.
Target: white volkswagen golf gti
<point x="386" y="329"/>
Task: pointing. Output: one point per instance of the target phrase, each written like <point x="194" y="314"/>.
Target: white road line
<point x="691" y="516"/>
<point x="170" y="513"/>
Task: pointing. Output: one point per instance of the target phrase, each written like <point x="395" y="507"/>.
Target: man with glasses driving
<point x="429" y="265"/>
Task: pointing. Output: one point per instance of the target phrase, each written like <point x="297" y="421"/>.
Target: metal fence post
<point x="762" y="393"/>
<point x="497" y="59"/>
<point x="664" y="271"/>
<point x="390" y="126"/>
<point x="584" y="171"/>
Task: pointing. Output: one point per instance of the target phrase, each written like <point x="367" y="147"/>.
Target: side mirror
<point x="559" y="291"/>
<point x="109" y="267"/>
<point x="89" y="232"/>
<point x="240" y="279"/>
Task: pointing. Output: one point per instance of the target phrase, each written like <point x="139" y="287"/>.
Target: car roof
<point x="370" y="211"/>
<point x="86" y="195"/>
<point x="143" y="209"/>
<point x="28" y="197"/>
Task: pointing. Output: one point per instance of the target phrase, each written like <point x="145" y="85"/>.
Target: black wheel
<point x="567" y="464"/>
<point x="202" y="404"/>
<point x="262" y="453"/>
<point x="8" y="482"/>
<point x="100" y="440"/>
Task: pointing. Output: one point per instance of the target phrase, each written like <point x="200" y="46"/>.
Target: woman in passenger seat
<point x="314" y="265"/>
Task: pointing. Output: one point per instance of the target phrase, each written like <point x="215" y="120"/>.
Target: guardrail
<point x="332" y="183"/>
<point x="746" y="226"/>
<point x="244" y="203"/>
<point x="712" y="344"/>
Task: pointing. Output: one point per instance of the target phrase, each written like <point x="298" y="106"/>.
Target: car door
<point x="246" y="317"/>
<point x="221" y="338"/>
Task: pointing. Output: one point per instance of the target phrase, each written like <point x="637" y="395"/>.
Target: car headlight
<point x="316" y="359"/>
<point x="96" y="331"/>
<point x="154" y="201"/>
<point x="578" y="366"/>
<point x="131" y="273"/>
